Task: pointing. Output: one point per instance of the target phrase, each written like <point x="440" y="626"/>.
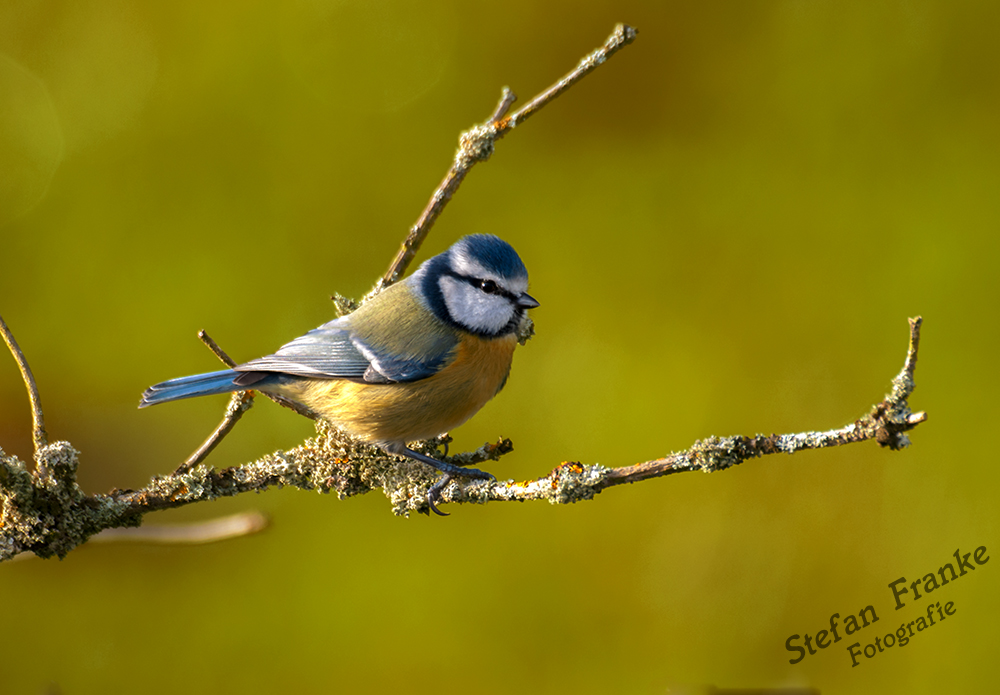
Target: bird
<point x="413" y="362"/>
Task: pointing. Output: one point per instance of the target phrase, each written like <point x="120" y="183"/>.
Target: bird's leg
<point x="450" y="471"/>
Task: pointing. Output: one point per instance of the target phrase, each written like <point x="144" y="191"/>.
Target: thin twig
<point x="239" y="403"/>
<point x="195" y="533"/>
<point x="476" y="145"/>
<point x="38" y="420"/>
<point x="204" y="337"/>
<point x="490" y="451"/>
<point x="622" y="36"/>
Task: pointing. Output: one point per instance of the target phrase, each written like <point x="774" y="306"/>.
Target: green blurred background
<point x="727" y="226"/>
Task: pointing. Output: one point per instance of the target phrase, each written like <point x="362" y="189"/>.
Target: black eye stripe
<point x="479" y="283"/>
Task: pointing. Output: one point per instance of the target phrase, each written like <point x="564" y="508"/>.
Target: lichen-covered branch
<point x="45" y="512"/>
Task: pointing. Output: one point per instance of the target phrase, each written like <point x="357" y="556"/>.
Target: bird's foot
<point x="450" y="471"/>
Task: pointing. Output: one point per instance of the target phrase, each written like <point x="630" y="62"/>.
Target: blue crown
<point x="495" y="254"/>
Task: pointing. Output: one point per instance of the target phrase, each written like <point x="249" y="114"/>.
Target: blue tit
<point x="415" y="361"/>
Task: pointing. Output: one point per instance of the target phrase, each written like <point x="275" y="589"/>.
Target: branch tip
<point x="624" y="34"/>
<point x="204" y="337"/>
<point x="507" y="99"/>
<point x="911" y="354"/>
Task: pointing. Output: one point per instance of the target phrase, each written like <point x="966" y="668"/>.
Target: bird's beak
<point x="526" y="301"/>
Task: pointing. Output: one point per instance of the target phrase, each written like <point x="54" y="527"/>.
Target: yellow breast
<point x="421" y="409"/>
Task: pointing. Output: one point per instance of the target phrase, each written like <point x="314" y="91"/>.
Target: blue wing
<point x="336" y="351"/>
<point x="326" y="352"/>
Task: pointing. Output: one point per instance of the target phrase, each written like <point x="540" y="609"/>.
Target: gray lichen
<point x="45" y="511"/>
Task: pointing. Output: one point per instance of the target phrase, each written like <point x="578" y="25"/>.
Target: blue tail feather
<point x="190" y="386"/>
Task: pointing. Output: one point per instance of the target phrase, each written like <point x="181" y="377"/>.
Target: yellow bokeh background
<point x="727" y="226"/>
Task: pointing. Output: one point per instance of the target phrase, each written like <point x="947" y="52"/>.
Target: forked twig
<point x="476" y="145"/>
<point x="887" y="422"/>
<point x="239" y="403"/>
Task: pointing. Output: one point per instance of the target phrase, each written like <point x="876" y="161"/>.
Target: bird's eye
<point x="488" y="286"/>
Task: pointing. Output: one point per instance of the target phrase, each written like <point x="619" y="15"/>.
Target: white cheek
<point x="475" y="309"/>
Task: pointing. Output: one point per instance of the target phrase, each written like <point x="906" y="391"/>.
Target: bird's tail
<point x="190" y="386"/>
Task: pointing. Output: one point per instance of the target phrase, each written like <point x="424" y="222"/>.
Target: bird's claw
<point x="434" y="492"/>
